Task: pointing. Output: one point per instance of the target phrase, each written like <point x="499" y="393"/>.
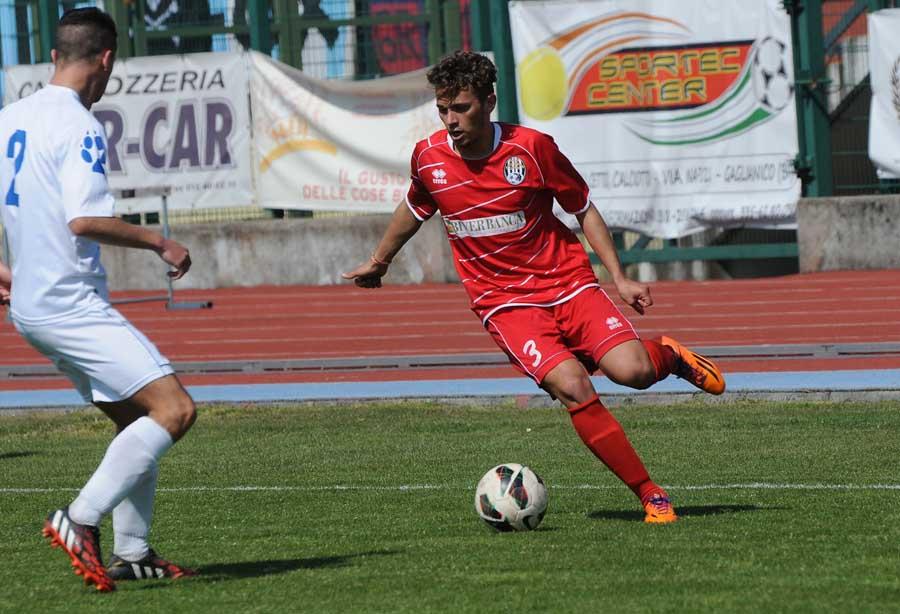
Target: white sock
<point x="132" y="455"/>
<point x="131" y="520"/>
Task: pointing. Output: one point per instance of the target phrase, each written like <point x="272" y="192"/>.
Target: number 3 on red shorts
<point x="530" y="349"/>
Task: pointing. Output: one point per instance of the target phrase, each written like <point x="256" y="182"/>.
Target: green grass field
<point x="785" y="507"/>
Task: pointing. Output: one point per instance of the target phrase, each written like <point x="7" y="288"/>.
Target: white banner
<point x="884" y="64"/>
<point x="680" y="114"/>
<point x="335" y="145"/>
<point x="180" y="121"/>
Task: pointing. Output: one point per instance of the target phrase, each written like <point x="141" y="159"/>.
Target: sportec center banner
<point x="181" y="121"/>
<point x="335" y="145"/>
<point x="680" y="114"/>
<point x="884" y="66"/>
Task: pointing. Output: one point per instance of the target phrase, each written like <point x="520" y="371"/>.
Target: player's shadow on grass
<point x="22" y="454"/>
<point x="256" y="569"/>
<point x="683" y="512"/>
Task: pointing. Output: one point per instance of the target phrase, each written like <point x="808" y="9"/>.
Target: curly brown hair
<point x="461" y="70"/>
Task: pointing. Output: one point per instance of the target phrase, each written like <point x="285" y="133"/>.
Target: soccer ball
<point x="511" y="497"/>
<point x="771" y="84"/>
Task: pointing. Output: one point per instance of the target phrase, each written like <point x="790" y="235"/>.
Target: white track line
<point x="416" y="487"/>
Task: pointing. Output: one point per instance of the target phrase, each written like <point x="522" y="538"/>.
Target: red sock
<point x="603" y="434"/>
<point x="662" y="357"/>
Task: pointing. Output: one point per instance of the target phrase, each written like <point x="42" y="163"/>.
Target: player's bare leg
<point x="628" y="364"/>
<point x="603" y="435"/>
<point x="165" y="401"/>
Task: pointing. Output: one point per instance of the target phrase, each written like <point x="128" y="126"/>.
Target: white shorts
<point x="106" y="357"/>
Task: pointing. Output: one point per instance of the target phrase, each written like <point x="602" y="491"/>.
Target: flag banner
<point x="335" y="145"/>
<point x="680" y="114"/>
<point x="884" y="66"/>
<point x="176" y="121"/>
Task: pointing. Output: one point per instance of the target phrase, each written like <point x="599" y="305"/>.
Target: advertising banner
<point x="680" y="114"/>
<point x="884" y="120"/>
<point x="181" y="121"/>
<point x="335" y="145"/>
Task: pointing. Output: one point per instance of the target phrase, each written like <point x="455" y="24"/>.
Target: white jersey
<point x="52" y="171"/>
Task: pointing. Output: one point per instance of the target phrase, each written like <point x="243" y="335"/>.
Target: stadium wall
<point x="283" y="252"/>
<point x="848" y="232"/>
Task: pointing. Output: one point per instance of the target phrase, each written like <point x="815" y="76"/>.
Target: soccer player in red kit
<point x="529" y="279"/>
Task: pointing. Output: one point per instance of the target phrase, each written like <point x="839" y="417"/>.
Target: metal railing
<point x="344" y="39"/>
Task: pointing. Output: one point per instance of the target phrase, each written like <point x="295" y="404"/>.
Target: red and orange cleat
<point x="150" y="567"/>
<point x="82" y="543"/>
<point x="696" y="369"/>
<point x="659" y="509"/>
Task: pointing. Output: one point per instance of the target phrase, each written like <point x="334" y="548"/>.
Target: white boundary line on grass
<point x="415" y="487"/>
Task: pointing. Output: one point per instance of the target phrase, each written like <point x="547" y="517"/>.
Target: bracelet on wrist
<point x="381" y="262"/>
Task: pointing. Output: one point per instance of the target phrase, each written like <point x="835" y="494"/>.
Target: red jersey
<point x="510" y="249"/>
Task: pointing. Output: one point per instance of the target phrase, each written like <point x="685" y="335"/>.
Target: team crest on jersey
<point x="514" y="170"/>
<point x="93" y="151"/>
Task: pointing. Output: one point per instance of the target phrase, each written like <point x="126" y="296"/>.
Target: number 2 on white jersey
<point x="530" y="349"/>
<point x="18" y="138"/>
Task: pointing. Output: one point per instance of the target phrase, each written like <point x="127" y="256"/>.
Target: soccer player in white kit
<point x="56" y="209"/>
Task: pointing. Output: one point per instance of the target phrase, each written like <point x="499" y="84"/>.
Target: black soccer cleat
<point x="150" y="567"/>
<point x="82" y="543"/>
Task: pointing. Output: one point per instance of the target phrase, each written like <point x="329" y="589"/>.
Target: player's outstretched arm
<point x="595" y="230"/>
<point x="113" y="231"/>
<point x="5" y="283"/>
<point x="401" y="229"/>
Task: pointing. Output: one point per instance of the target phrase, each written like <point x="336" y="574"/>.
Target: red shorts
<point x="536" y="339"/>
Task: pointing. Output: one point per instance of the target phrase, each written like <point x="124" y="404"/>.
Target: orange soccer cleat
<point x="696" y="369"/>
<point x="82" y="544"/>
<point x="659" y="509"/>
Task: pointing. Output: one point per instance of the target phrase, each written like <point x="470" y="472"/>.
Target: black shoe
<point x="82" y="543"/>
<point x="150" y="567"/>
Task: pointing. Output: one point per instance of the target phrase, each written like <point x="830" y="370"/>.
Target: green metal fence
<point x="355" y="39"/>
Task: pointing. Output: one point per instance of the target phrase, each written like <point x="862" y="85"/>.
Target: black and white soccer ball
<point x="511" y="497"/>
<point x="771" y="78"/>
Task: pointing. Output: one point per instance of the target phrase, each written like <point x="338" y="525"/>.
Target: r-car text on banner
<point x="178" y="121"/>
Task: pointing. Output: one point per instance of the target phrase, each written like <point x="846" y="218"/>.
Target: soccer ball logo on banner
<point x="771" y="82"/>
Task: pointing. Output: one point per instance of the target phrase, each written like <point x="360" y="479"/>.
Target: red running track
<point x="328" y="322"/>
